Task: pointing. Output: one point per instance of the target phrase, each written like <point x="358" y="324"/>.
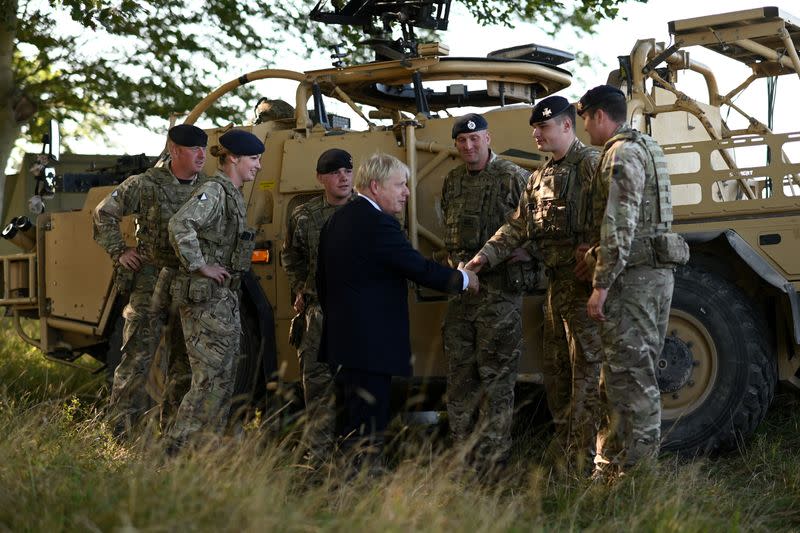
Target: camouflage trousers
<point x="571" y="367"/>
<point x="174" y="368"/>
<point x="140" y="339"/>
<point x="482" y="342"/>
<point x="212" y="330"/>
<point x="173" y="373"/>
<point x="318" y="391"/>
<point x="637" y="313"/>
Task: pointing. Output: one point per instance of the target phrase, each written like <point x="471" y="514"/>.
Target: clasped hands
<point x="583" y="271"/>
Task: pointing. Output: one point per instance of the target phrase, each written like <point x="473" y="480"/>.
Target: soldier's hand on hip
<point x="476" y="263"/>
<point x="519" y="255"/>
<point x="594" y="306"/>
<point x="215" y="272"/>
<point x="299" y="303"/>
<point x="130" y="259"/>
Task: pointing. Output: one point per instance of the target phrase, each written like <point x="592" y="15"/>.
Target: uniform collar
<point x="621" y="131"/>
<point x="328" y="204"/>
<point x="169" y="169"/>
<point x="573" y="147"/>
<point x="492" y="157"/>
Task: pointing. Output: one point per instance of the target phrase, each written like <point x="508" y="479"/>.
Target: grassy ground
<point x="61" y="470"/>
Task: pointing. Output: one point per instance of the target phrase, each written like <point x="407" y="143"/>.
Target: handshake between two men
<point x="584" y="269"/>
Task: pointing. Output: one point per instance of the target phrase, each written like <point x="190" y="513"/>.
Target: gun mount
<point x="409" y="14"/>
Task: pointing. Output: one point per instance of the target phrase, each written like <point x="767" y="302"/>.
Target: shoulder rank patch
<point x="202" y="197"/>
<point x="114" y="194"/>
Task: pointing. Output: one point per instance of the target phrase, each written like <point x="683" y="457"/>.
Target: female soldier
<point x="214" y="248"/>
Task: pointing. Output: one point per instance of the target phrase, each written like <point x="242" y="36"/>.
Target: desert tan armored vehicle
<point x="735" y="322"/>
<point x="44" y="183"/>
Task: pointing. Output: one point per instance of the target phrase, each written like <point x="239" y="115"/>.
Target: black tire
<point x="716" y="373"/>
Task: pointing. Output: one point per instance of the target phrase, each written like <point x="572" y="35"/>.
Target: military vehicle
<point x="735" y="323"/>
<point x="38" y="187"/>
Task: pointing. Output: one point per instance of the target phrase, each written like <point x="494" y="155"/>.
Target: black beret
<point x="334" y="159"/>
<point x="187" y="135"/>
<point x="469" y="124"/>
<point x="599" y="95"/>
<point x="241" y="142"/>
<point x="548" y="108"/>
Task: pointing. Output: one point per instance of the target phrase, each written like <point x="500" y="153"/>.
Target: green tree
<point x="101" y="62"/>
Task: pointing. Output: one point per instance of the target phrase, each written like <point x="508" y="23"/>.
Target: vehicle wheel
<point x="716" y="373"/>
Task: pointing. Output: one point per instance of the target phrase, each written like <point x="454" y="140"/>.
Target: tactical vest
<point x="654" y="242"/>
<point x="655" y="210"/>
<point x="318" y="212"/>
<point x="475" y="207"/>
<point x="233" y="246"/>
<point x="161" y="196"/>
<point x="555" y="202"/>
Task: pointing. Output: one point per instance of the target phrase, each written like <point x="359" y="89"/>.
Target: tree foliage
<point x="100" y="62"/>
<point x="551" y="15"/>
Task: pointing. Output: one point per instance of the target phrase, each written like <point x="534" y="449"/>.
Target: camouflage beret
<point x="597" y="96"/>
<point x="187" y="135"/>
<point x="241" y="142"/>
<point x="548" y="108"/>
<point x="468" y="124"/>
<point x="334" y="159"/>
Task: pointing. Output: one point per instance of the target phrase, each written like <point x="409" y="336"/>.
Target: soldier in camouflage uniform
<point x="482" y="332"/>
<point x="299" y="259"/>
<point x="153" y="197"/>
<point x="634" y="257"/>
<point x="214" y="245"/>
<point x="551" y="214"/>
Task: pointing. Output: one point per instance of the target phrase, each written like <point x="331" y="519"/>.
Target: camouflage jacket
<point x="153" y="197"/>
<point x="551" y="212"/>
<point x="210" y="228"/>
<point x="475" y="205"/>
<point x="631" y="201"/>
<point x="299" y="251"/>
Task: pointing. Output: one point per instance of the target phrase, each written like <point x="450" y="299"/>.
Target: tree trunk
<point x="9" y="129"/>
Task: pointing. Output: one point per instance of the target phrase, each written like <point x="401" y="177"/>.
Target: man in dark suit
<point x="363" y="263"/>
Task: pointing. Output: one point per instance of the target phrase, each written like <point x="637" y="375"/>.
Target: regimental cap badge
<point x="548" y="108"/>
<point x="469" y="123"/>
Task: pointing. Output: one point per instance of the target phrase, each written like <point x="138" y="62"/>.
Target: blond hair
<point x="220" y="152"/>
<point x="379" y="167"/>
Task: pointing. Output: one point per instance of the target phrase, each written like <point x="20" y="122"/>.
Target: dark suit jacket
<point x="363" y="263"/>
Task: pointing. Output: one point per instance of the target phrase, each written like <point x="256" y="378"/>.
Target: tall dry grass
<point x="60" y="470"/>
